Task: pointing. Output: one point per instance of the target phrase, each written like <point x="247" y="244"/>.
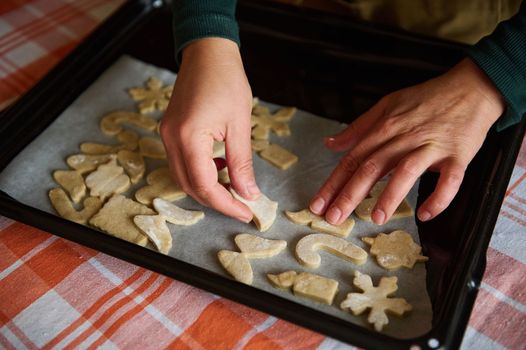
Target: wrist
<point x="215" y="51"/>
<point x="480" y="84"/>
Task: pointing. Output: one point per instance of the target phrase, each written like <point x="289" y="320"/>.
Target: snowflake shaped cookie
<point x="263" y="121"/>
<point x="395" y="250"/>
<point x="153" y="97"/>
<point x="375" y="298"/>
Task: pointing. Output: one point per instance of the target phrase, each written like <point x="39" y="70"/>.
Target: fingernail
<point x="424" y="215"/>
<point x="317" y="205"/>
<point x="333" y="215"/>
<point x="244" y="219"/>
<point x="378" y="216"/>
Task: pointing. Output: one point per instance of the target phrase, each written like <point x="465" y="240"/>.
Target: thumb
<point x="239" y="162"/>
<point x="351" y="135"/>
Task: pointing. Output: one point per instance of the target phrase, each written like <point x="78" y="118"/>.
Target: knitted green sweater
<point x="501" y="55"/>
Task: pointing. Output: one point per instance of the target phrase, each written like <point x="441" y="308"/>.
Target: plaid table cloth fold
<point x="57" y="294"/>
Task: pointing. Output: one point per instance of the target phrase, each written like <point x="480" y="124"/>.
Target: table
<point x="58" y="294"/>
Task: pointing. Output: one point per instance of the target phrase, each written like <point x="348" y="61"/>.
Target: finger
<point x="451" y="176"/>
<point x="178" y="169"/>
<point x="345" y="169"/>
<point x="350" y="137"/>
<point x="175" y="161"/>
<point x="202" y="175"/>
<point x="368" y="173"/>
<point x="239" y="161"/>
<point x="402" y="180"/>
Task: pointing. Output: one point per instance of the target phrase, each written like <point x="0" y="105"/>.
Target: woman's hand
<point x="438" y="125"/>
<point x="211" y="101"/>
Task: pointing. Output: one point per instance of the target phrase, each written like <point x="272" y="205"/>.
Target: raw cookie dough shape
<point x="71" y="181"/>
<point x="259" y="145"/>
<point x="262" y="122"/>
<point x="152" y="147"/>
<point x="154" y="226"/>
<point x="318" y="223"/>
<point x="153" y="97"/>
<point x="255" y="247"/>
<point x="86" y="163"/>
<point x="394" y="250"/>
<point x="116" y="219"/>
<point x="365" y="208"/>
<point x="307" y="249"/>
<point x="278" y="156"/>
<point x="263" y="208"/>
<point x="133" y="164"/>
<point x="375" y="298"/>
<point x="159" y="184"/>
<point x="111" y="123"/>
<point x="60" y="201"/>
<point x="99" y="148"/>
<point x="219" y="149"/>
<point x="107" y="180"/>
<point x="128" y="139"/>
<point x="252" y="247"/>
<point x="223" y="177"/>
<point x="307" y="285"/>
<point x="176" y="215"/>
<point x="237" y="265"/>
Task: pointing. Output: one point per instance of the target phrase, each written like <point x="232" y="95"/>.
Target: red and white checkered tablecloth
<point x="57" y="294"/>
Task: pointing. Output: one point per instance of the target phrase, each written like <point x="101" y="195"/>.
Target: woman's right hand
<point x="211" y="101"/>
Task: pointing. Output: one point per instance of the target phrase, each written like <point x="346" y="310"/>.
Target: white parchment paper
<point x="29" y="178"/>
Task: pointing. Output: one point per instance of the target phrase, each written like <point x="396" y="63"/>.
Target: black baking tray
<point x="325" y="64"/>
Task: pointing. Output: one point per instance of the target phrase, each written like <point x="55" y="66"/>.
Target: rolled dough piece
<point x="263" y="208"/>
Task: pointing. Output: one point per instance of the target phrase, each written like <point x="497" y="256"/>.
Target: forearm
<point x="196" y="19"/>
<point x="502" y="56"/>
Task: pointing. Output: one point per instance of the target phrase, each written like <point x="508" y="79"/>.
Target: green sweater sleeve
<point x="502" y="56"/>
<point x="196" y="19"/>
